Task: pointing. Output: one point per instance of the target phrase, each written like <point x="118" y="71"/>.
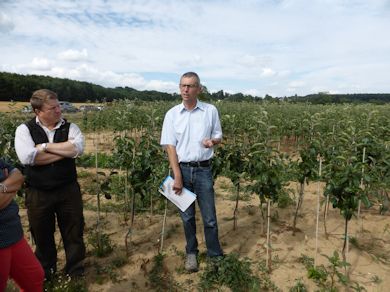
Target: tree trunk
<point x="299" y="204"/>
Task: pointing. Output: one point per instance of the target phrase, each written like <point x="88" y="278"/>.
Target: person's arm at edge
<point x="174" y="164"/>
<point x="12" y="183"/>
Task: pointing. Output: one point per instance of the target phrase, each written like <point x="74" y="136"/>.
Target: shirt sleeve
<point x="24" y="145"/>
<point x="76" y="138"/>
<point x="217" y="129"/>
<point x="167" y="133"/>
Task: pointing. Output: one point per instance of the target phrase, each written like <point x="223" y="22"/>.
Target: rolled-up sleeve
<point x="168" y="131"/>
<point x="76" y="137"/>
<point x="24" y="145"/>
<point x="217" y="129"/>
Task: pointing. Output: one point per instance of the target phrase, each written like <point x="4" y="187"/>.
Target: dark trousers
<point x="65" y="204"/>
<point x="200" y="181"/>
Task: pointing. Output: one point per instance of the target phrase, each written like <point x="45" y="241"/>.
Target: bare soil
<point x="370" y="258"/>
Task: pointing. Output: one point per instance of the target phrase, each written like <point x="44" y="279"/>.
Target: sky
<point x="257" y="47"/>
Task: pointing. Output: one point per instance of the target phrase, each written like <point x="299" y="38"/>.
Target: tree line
<point x="18" y="87"/>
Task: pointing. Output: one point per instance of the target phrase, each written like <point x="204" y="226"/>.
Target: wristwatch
<point x="3" y="188"/>
<point x="44" y="147"/>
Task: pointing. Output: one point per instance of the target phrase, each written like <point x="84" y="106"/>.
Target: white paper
<point x="182" y="201"/>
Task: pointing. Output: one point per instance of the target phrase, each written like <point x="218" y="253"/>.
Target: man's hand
<point x="177" y="186"/>
<point x="208" y="143"/>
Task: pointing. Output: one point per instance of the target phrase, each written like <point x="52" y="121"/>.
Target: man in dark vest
<point x="47" y="146"/>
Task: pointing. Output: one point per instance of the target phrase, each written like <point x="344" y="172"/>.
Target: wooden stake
<point x="360" y="220"/>
<point x="163" y="226"/>
<point x="268" y="261"/>
<point x="318" y="211"/>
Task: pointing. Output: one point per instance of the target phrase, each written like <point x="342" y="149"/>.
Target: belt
<point x="204" y="163"/>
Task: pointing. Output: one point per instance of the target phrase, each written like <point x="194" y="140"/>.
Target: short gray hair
<point x="191" y="75"/>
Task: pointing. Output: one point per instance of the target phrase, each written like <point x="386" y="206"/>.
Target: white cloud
<point x="164" y="86"/>
<point x="6" y="24"/>
<point x="252" y="91"/>
<point x="267" y="72"/>
<point x="73" y="55"/>
<point x="41" y="64"/>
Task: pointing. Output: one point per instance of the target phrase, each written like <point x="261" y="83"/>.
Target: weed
<point x="106" y="272"/>
<point x="62" y="283"/>
<point x="179" y="253"/>
<point x="160" y="277"/>
<point x="356" y="287"/>
<point x="101" y="244"/>
<point x="228" y="271"/>
<point x="284" y="199"/>
<point x="375" y="279"/>
<point x="298" y="287"/>
<point x="326" y="277"/>
<point x="265" y="283"/>
<point x="262" y="267"/>
<point x="354" y="242"/>
<point x="307" y="261"/>
<point x="11" y="286"/>
<point x="119" y="261"/>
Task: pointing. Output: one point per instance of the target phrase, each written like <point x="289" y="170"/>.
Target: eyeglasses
<point x="183" y="86"/>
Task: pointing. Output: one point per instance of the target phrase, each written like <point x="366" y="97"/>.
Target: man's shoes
<point x="191" y="264"/>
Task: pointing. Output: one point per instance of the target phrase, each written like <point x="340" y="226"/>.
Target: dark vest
<point x="53" y="175"/>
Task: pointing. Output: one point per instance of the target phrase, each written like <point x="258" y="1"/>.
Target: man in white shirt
<point x="189" y="132"/>
<point x="47" y="146"/>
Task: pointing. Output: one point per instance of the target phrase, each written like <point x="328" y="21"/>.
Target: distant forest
<point x="19" y="87"/>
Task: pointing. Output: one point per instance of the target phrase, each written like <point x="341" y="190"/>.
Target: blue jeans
<point x="200" y="181"/>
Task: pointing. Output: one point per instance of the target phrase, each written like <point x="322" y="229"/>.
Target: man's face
<point x="50" y="113"/>
<point x="189" y="88"/>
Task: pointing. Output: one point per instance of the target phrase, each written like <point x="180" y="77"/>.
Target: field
<point x="126" y="254"/>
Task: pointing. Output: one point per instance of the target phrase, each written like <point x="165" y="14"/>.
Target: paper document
<point x="182" y="201"/>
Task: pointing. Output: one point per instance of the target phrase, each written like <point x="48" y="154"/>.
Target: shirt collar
<point x="199" y="105"/>
<point x="59" y="124"/>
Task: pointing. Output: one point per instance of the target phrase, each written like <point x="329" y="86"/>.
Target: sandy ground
<point x="9" y="107"/>
<point x="370" y="264"/>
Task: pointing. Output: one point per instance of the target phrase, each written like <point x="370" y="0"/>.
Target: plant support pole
<point x="318" y="210"/>
<point x="361" y="186"/>
<point x="163" y="226"/>
<point x="268" y="261"/>
<point x="164" y="221"/>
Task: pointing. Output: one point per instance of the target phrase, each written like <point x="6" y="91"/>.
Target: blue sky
<point x="258" y="47"/>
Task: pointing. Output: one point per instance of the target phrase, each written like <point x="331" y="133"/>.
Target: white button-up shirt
<point x="25" y="146"/>
<point x="186" y="130"/>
